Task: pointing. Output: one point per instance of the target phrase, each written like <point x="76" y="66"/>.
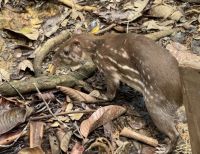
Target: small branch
<point x="53" y="115"/>
<point x="61" y="114"/>
<point x="106" y="29"/>
<point x="145" y="139"/>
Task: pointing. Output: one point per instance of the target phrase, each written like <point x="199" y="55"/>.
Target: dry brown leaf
<point x="10" y="137"/>
<point x="54" y="144"/>
<point x="35" y="150"/>
<point x="100" y="117"/>
<point x="25" y="64"/>
<point x="64" y="138"/>
<point x="136" y="9"/>
<point x="77" y="149"/>
<point x="163" y="11"/>
<point x="36" y="133"/>
<point x="4" y="75"/>
<point x="76" y="95"/>
<point x="181" y="53"/>
<point x="166" y="11"/>
<point x="152" y="24"/>
<point x="11" y="118"/>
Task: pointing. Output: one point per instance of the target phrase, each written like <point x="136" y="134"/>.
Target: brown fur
<point x="156" y="72"/>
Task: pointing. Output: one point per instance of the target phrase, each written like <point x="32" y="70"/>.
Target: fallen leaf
<point x="10" y="137"/>
<point x="35" y="150"/>
<point x="11" y="118"/>
<point x="77" y="149"/>
<point x="76" y="95"/>
<point x="100" y="117"/>
<point x="54" y="144"/>
<point x="76" y="116"/>
<point x="64" y="138"/>
<point x="163" y="11"/>
<point x="181" y="53"/>
<point x="25" y="64"/>
<point x="166" y="11"/>
<point x="152" y="24"/>
<point x="4" y="75"/>
<point x="136" y="9"/>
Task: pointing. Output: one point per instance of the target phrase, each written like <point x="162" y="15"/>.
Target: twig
<point x="53" y="115"/>
<point x="106" y="29"/>
<point x="61" y="114"/>
<point x="145" y="139"/>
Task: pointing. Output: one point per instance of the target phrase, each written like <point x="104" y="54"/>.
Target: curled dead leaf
<point x="166" y="11"/>
<point x="25" y="64"/>
<point x="76" y="95"/>
<point x="100" y="117"/>
<point x="64" y="138"/>
<point x="12" y="118"/>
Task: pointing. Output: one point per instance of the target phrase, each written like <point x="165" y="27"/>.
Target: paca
<point x="141" y="64"/>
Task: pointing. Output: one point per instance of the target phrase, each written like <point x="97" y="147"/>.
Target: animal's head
<point x="74" y="51"/>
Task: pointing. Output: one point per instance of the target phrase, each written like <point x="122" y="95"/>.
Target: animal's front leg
<point x="112" y="83"/>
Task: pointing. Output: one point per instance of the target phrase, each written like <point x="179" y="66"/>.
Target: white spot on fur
<point x="124" y="54"/>
<point x="100" y="56"/>
<point x="122" y="66"/>
<point x="116" y="77"/>
<point x="111" y="68"/>
<point x="151" y="87"/>
<point x="148" y="76"/>
<point x="151" y="97"/>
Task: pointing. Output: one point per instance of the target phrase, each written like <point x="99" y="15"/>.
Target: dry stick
<point x="145" y="139"/>
<point x="61" y="114"/>
<point x="48" y="106"/>
<point x="106" y="29"/>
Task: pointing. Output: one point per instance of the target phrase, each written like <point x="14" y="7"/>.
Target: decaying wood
<point x="47" y="82"/>
<point x="46" y="48"/>
<point x="145" y="139"/>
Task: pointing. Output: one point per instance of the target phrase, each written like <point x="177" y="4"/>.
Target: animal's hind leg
<point x="165" y="123"/>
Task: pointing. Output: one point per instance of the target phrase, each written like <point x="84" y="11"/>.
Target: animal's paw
<point x="162" y="149"/>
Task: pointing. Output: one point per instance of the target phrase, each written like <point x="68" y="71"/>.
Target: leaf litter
<point x="41" y="21"/>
